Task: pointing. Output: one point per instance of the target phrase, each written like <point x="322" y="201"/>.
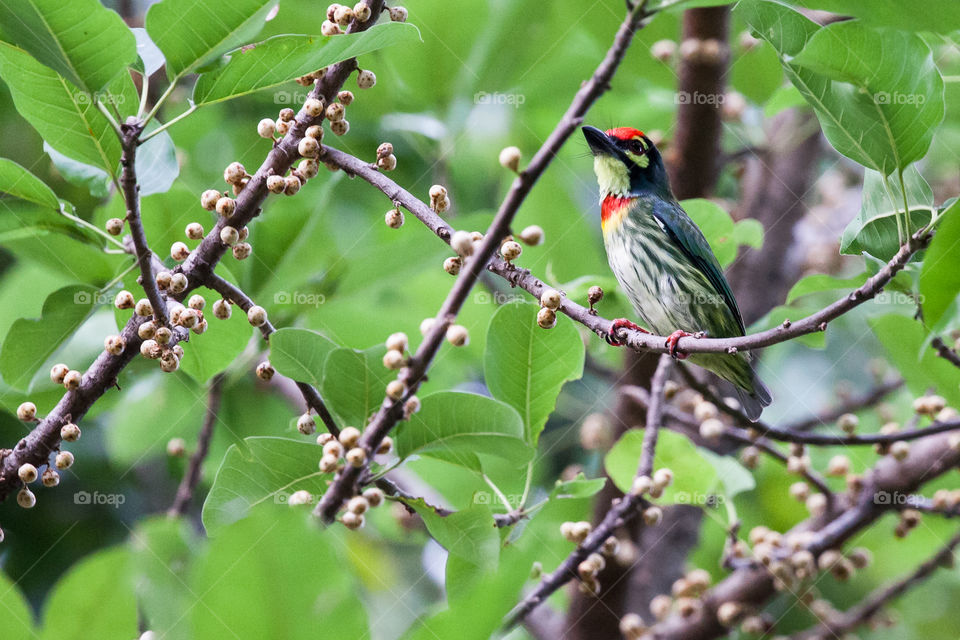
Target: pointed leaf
<point x="20" y="183"/>
<point x="939" y="277"/>
<point x="282" y="58"/>
<point x="874" y="230"/>
<point x="526" y="366"/>
<point x="60" y="112"/>
<point x="191" y="33"/>
<point x="818" y="282"/>
<point x="150" y="55"/>
<point x="82" y="40"/>
<point x="898" y="87"/>
<point x="86" y="176"/>
<point x="468" y="534"/>
<point x="457" y="427"/>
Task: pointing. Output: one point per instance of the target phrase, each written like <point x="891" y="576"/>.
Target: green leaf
<point x="874" y="230"/>
<point x="355" y="384"/>
<point x="748" y="233"/>
<point x="526" y="366"/>
<point x="819" y="282"/>
<point x="156" y="163"/>
<point x="939" y="276"/>
<point x="719" y="229"/>
<point x="163" y="551"/>
<point x="93" y="179"/>
<point x="262" y="469"/>
<point x="276" y="560"/>
<point x="786" y="97"/>
<point x="282" y="58"/>
<point x="191" y="33"/>
<point x="17" y="617"/>
<point x="905" y="341"/>
<point x="218" y="347"/>
<point x="59" y="111"/>
<point x="734" y="477"/>
<point x="881" y="115"/>
<point x="579" y="487"/>
<point x="97" y="584"/>
<point x="469" y="534"/>
<point x="898" y="91"/>
<point x="32" y="340"/>
<point x="938" y="16"/>
<point x="299" y="354"/>
<point x="82" y="40"/>
<point x="458" y="427"/>
<point x="150" y="55"/>
<point x="694" y="475"/>
<point x="20" y="183"/>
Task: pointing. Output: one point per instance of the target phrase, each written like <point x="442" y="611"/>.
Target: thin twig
<point x="790" y="435"/>
<point x="311" y="396"/>
<point x="102" y="374"/>
<point x="130" y="133"/>
<point x="945" y="352"/>
<point x="621" y="509"/>
<point x="642" y="342"/>
<point x="345" y="483"/>
<point x="192" y="476"/>
<point x="878" y="599"/>
<point x="735" y="434"/>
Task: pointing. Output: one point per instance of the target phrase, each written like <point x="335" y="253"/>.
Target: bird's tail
<point x="738" y="370"/>
<point x="754" y="399"/>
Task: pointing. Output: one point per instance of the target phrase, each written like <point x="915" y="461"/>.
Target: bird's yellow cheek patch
<point x="612" y="175"/>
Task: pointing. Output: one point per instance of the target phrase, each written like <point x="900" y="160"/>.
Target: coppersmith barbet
<point x="662" y="260"/>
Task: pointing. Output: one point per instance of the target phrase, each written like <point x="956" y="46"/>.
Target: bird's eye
<point x="637" y="146"/>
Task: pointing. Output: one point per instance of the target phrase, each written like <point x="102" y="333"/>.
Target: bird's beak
<point x="600" y="143"/>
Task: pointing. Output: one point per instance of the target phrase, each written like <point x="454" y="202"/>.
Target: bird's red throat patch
<point x="612" y="210"/>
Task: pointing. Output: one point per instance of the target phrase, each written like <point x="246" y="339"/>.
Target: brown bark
<point x="693" y="165"/>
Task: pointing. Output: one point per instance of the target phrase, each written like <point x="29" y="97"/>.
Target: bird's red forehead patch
<point x="624" y="133"/>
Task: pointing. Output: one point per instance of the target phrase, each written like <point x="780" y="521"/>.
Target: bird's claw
<point x="621" y="323"/>
<point x="674" y="337"/>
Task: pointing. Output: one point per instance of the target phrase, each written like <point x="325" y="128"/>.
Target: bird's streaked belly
<point x="666" y="290"/>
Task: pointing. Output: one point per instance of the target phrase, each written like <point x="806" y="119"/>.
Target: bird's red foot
<point x="621" y="323"/>
<point x="672" y="340"/>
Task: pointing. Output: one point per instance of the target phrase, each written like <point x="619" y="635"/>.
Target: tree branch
<point x="310" y="394"/>
<point x="636" y="340"/>
<point x="391" y="411"/>
<point x="621" y="510"/>
<point x="192" y="476"/>
<point x="102" y="374"/>
<point x="879" y="598"/>
<point x="753" y="584"/>
<point x="129" y="134"/>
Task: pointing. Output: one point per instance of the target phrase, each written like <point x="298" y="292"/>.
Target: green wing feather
<point x="687" y="235"/>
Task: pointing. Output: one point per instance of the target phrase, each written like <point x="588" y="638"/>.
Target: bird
<point x="663" y="262"/>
